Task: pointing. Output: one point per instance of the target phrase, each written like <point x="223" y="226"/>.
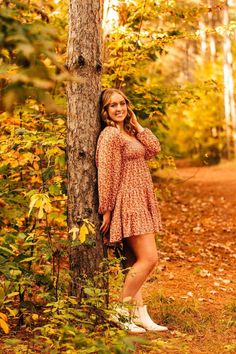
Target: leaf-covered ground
<point x="193" y="289"/>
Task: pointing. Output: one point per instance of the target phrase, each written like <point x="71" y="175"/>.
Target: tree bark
<point x="83" y="127"/>
<point x="229" y="101"/>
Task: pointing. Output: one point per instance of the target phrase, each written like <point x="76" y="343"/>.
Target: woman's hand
<point x="106" y="222"/>
<point x="135" y="123"/>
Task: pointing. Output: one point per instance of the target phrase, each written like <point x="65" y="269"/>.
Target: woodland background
<point x="174" y="60"/>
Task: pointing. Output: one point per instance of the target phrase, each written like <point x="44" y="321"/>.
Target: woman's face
<point x="117" y="108"/>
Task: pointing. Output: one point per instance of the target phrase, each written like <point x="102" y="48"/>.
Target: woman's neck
<point x="120" y="126"/>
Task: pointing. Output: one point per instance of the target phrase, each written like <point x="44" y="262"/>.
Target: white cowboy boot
<point x="142" y="318"/>
<point x="122" y="318"/>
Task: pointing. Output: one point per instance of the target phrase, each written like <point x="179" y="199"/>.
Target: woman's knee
<point x="152" y="260"/>
<point x="144" y="249"/>
<point x="149" y="260"/>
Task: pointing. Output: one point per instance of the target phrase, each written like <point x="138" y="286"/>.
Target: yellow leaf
<point x="83" y="233"/>
<point x="74" y="230"/>
<point x="91" y="228"/>
<point x="36" y="179"/>
<point x="3" y="316"/>
<point x="35" y="317"/>
<point x="38" y="151"/>
<point x="47" y="206"/>
<point x="36" y="165"/>
<point x="40" y="213"/>
<point x="12" y="312"/>
<point x="4" y="326"/>
<point x="41" y="201"/>
<point x="25" y="158"/>
<point x="33" y="200"/>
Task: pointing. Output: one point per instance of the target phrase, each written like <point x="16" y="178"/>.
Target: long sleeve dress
<point x="124" y="183"/>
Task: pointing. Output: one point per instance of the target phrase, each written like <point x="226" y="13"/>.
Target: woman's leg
<point x="129" y="261"/>
<point x="145" y="252"/>
<point x="141" y="257"/>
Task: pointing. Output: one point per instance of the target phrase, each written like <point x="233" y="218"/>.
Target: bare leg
<point x="130" y="259"/>
<point x="140" y="258"/>
<point x="145" y="252"/>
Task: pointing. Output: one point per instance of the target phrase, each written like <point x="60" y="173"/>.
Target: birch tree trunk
<point x="229" y="101"/>
<point x="83" y="127"/>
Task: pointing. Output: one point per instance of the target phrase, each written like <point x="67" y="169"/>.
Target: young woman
<point x="127" y="200"/>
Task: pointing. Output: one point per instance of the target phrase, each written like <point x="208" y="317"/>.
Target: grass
<point x="193" y="329"/>
<point x="180" y="314"/>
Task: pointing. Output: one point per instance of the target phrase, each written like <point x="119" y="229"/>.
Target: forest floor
<point x="193" y="290"/>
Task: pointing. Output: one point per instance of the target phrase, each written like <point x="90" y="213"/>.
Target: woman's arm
<point x="109" y="164"/>
<point x="147" y="138"/>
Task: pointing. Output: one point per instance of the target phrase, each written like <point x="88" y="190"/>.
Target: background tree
<point x="229" y="99"/>
<point x="83" y="126"/>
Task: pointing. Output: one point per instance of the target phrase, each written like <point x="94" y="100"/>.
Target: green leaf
<point x="29" y="259"/>
<point x="48" y="173"/>
<point x="15" y="272"/>
<point x="61" y="160"/>
<point x="54" y="189"/>
<point x="13" y="294"/>
<point x="6" y="250"/>
<point x="2" y="294"/>
<point x="13" y="312"/>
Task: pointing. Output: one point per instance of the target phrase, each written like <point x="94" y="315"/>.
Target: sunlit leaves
<point x="29" y="62"/>
<point x="196" y="120"/>
<point x="41" y="202"/>
<point x="33" y="235"/>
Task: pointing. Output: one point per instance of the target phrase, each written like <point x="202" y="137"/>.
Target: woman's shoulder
<point x="112" y="133"/>
<point x="110" y="136"/>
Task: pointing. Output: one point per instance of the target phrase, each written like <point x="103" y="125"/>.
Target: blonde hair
<point x="104" y="102"/>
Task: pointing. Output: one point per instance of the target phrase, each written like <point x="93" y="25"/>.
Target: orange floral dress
<point x="124" y="183"/>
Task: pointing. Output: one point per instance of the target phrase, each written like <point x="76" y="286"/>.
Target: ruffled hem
<point x="134" y="223"/>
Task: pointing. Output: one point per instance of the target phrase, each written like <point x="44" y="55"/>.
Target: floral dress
<point x="124" y="183"/>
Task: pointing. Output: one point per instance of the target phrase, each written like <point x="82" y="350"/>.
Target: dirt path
<point x="194" y="288"/>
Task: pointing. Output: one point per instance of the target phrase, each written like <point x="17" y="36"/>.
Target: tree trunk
<point x="229" y="101"/>
<point x="212" y="41"/>
<point x="83" y="127"/>
<point x="203" y="41"/>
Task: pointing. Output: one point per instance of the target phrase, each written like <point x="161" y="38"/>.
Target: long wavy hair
<point x="105" y="119"/>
